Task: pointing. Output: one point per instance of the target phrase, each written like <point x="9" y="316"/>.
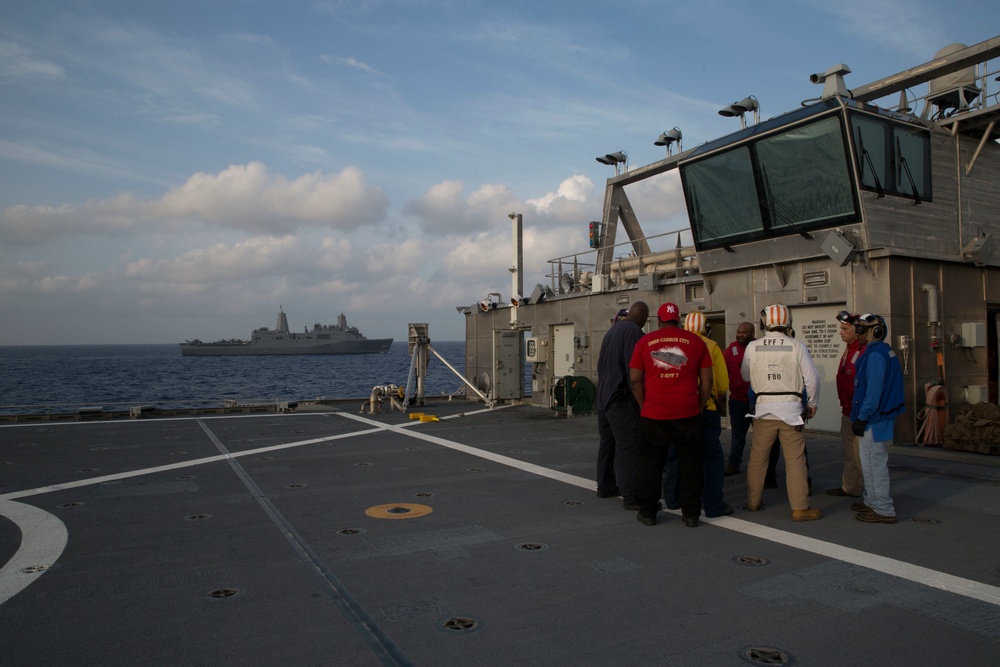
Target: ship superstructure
<point x="882" y="198"/>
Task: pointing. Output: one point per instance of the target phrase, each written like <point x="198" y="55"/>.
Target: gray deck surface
<point x="244" y="540"/>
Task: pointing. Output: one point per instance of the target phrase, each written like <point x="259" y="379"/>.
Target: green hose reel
<point x="573" y="394"/>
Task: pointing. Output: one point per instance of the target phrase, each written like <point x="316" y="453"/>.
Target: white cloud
<point x="357" y="64"/>
<point x="333" y="254"/>
<point x="36" y="278"/>
<point x="250" y="197"/>
<point x="17" y="62"/>
<point x="256" y="257"/>
<point x="658" y="198"/>
<point x="67" y="283"/>
<point x="401" y="259"/>
<point x="443" y="211"/>
<point x="569" y="203"/>
<point x="247" y="197"/>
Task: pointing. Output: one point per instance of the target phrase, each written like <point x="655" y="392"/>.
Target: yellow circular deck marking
<point x="398" y="511"/>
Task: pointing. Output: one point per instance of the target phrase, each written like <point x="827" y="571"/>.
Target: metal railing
<point x="626" y="268"/>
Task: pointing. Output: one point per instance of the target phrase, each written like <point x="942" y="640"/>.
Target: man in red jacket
<point x="852" y="482"/>
<point x="739" y="396"/>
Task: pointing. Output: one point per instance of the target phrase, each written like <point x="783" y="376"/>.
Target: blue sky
<point x="173" y="170"/>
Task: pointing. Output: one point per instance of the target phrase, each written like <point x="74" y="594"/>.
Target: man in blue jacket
<point x="878" y="398"/>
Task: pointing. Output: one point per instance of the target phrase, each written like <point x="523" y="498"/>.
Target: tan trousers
<point x="793" y="448"/>
<point x="852" y="481"/>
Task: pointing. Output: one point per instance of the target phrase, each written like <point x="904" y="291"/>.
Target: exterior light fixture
<point x="616" y="159"/>
<point x="489" y="303"/>
<point x="669" y="138"/>
<point x="742" y="107"/>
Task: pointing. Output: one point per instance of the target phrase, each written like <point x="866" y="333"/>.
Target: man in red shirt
<point x="739" y="396"/>
<point x="852" y="482"/>
<point x="671" y="379"/>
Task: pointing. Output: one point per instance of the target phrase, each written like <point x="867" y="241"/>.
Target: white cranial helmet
<point x="775" y="316"/>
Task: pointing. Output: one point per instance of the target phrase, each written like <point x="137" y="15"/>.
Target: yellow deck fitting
<point x="398" y="511"/>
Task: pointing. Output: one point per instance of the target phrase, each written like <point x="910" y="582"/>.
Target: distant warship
<point x="322" y="339"/>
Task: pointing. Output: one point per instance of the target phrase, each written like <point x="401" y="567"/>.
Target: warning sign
<point x="822" y="337"/>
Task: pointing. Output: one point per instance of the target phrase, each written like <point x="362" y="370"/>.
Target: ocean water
<point x="61" y="378"/>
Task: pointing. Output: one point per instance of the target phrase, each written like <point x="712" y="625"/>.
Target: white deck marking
<point x="43" y="538"/>
<point x="40" y="527"/>
<point x="891" y="566"/>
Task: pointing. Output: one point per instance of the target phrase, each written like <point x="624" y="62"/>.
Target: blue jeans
<point x="875" y="470"/>
<point x="657" y="438"/>
<point x="618" y="452"/>
<point x="713" y="467"/>
<point x="740" y="424"/>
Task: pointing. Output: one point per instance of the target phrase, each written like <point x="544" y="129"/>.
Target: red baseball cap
<point x="669" y="312"/>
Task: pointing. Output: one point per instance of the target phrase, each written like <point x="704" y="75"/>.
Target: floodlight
<point x="669" y="137"/>
<point x="617" y="158"/>
<point x="738" y="109"/>
<point x="747" y="104"/>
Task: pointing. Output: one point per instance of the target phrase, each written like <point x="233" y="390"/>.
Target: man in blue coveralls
<point x="878" y="398"/>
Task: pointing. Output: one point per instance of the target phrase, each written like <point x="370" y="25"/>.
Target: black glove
<point x="858" y="427"/>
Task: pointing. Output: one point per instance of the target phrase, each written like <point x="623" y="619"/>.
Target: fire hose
<point x="933" y="416"/>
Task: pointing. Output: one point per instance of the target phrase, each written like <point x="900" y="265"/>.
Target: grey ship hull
<point x="322" y="339"/>
<point x="286" y="347"/>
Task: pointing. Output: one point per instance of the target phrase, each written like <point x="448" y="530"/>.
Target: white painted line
<point x="891" y="566"/>
<point x="43" y="538"/>
<point x="90" y="481"/>
<point x="489" y="456"/>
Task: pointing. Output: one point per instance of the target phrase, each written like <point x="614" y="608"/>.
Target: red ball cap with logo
<point x="669" y="312"/>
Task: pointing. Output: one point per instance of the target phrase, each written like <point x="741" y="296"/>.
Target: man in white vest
<point x="781" y="374"/>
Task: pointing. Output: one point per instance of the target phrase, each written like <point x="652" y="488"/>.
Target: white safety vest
<point x="775" y="374"/>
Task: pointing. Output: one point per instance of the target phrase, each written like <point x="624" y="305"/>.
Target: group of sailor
<point x="661" y="398"/>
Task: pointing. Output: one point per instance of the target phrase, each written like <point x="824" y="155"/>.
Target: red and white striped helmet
<point x="695" y="323"/>
<point x="775" y="316"/>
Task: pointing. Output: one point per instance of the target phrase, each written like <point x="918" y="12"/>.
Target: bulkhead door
<point x="562" y="351"/>
<point x="508" y="365"/>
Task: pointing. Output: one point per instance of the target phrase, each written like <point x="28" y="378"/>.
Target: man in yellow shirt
<point x="713" y="458"/>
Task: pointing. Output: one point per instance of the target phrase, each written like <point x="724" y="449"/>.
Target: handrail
<point x="628" y="261"/>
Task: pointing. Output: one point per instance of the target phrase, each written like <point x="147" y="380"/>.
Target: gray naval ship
<point x="322" y="339"/>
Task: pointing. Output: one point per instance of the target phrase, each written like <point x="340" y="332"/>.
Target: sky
<point x="181" y="169"/>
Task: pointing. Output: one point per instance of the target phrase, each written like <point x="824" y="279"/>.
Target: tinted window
<point x="784" y="184"/>
<point x="892" y="159"/>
